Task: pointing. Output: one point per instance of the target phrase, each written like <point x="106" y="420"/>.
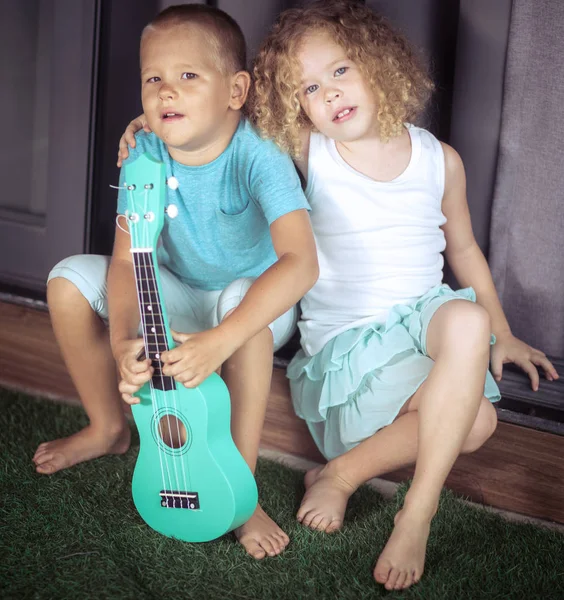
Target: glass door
<point x="47" y="75"/>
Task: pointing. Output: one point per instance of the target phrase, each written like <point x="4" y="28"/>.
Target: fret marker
<point x="153" y="330"/>
<point x="157" y="356"/>
<point x="149" y="307"/>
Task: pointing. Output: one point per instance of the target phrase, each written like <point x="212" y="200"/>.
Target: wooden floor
<point x="518" y="469"/>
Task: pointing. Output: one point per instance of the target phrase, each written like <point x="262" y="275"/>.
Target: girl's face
<point x="333" y="93"/>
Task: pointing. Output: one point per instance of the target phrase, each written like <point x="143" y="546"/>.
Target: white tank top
<point x="379" y="243"/>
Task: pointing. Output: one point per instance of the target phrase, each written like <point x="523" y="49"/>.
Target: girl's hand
<point x="134" y="373"/>
<point x="198" y="355"/>
<point x="128" y="137"/>
<point x="510" y="349"/>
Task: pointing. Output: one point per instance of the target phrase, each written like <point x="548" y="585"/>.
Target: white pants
<point x="189" y="310"/>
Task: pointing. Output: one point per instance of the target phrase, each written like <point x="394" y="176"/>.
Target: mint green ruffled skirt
<point x="359" y="381"/>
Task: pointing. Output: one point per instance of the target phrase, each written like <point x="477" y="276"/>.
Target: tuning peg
<point x="172" y="183"/>
<point x="172" y="211"/>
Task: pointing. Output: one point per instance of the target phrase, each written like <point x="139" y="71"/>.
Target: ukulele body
<point x="202" y="489"/>
<point x="190" y="481"/>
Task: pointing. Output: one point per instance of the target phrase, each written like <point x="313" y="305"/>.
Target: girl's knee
<point x="469" y="316"/>
<point x="467" y="322"/>
<point x="483" y="427"/>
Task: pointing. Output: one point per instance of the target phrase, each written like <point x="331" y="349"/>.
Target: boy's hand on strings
<point x="197" y="356"/>
<point x="134" y="372"/>
<point x="509" y="349"/>
<point x="128" y="137"/>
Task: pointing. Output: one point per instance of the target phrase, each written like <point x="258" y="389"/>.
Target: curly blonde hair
<point x="401" y="84"/>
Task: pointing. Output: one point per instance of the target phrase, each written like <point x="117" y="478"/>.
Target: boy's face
<point x="186" y="98"/>
<point x="333" y="92"/>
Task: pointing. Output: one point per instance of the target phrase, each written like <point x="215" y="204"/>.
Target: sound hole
<point x="172" y="431"/>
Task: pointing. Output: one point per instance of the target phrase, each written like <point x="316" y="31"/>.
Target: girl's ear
<point x="240" y="85"/>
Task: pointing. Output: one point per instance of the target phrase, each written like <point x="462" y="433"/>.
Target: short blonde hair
<point x="225" y="35"/>
<point x="388" y="62"/>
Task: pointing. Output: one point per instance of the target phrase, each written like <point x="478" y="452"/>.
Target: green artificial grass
<point x="77" y="535"/>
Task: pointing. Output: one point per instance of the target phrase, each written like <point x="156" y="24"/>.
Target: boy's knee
<point x="61" y="285"/>
<point x="60" y="289"/>
<point x="483" y="427"/>
<point x="231" y="296"/>
<point x="64" y="298"/>
<point x="76" y="278"/>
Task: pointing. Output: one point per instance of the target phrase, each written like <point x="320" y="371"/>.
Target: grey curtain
<point x="481" y="50"/>
<point x="527" y="228"/>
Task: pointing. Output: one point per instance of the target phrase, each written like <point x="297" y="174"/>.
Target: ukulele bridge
<point x="178" y="499"/>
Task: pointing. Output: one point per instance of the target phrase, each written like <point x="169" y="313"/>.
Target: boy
<point x="235" y="261"/>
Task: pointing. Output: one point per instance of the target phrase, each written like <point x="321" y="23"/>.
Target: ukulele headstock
<point x="145" y="182"/>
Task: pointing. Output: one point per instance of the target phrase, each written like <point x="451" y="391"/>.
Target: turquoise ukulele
<point x="190" y="482"/>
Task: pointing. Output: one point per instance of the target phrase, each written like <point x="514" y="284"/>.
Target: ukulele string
<point x="138" y="280"/>
<point x="162" y="331"/>
<point x="157" y="410"/>
<point x="159" y="326"/>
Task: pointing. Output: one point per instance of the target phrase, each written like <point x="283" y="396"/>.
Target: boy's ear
<point x="240" y="85"/>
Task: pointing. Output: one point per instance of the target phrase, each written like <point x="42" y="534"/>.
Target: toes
<point x="400" y="581"/>
<point x="308" y="518"/>
<point x="392" y="578"/>
<point x="317" y="523"/>
<point x="277" y="544"/>
<point x="40" y="450"/>
<point x="382" y="571"/>
<point x="43" y="458"/>
<point x="254" y="549"/>
<point x="260" y="536"/>
<point x="333" y="526"/>
<point x="46" y="468"/>
<point x="323" y="524"/>
<point x="410" y="579"/>
<point x="269" y="546"/>
<point x="282" y="539"/>
<point x="303" y="511"/>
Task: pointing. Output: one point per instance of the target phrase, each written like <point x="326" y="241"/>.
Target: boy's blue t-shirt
<point x="225" y="208"/>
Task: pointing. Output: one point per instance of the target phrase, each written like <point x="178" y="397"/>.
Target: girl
<point x="394" y="364"/>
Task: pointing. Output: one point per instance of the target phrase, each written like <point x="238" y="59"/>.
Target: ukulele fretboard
<point x="151" y="316"/>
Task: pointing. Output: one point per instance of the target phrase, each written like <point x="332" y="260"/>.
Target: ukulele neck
<point x="152" y="320"/>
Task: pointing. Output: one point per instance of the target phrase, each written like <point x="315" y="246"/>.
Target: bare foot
<point x="401" y="563"/>
<point x="86" y="444"/>
<point x="325" y="501"/>
<point x="261" y="536"/>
